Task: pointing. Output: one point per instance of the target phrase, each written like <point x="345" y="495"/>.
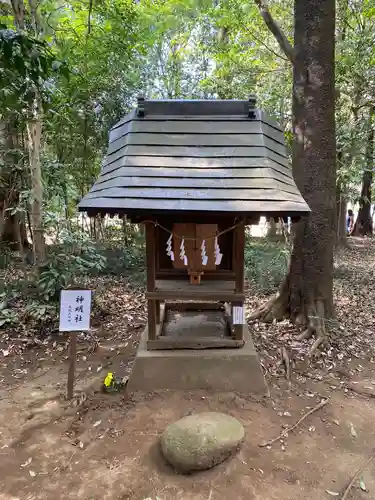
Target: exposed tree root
<point x="310" y="319"/>
<point x="273" y="310"/>
<point x="306" y="334"/>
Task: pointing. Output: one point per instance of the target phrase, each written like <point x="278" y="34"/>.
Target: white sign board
<point x="75" y="310"/>
<point x="238" y="315"/>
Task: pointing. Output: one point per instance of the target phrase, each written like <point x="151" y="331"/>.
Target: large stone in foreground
<point x="200" y="441"/>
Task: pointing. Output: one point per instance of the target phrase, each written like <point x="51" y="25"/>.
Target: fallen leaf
<point x="99" y="368"/>
<point x="310" y="394"/>
<point x="352" y="430"/>
<point x="32" y="473"/>
<point x="98" y="422"/>
<point x="332" y="493"/>
<point x="28" y="462"/>
<point x="362" y="484"/>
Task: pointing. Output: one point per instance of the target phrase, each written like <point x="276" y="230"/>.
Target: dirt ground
<point x="106" y="446"/>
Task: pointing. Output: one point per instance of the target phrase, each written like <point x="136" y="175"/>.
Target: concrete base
<point x="222" y="370"/>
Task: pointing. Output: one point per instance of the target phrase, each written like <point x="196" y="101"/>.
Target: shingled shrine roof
<point x="196" y="155"/>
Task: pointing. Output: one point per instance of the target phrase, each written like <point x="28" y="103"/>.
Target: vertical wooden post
<point x="151" y="274"/>
<point x="157" y="307"/>
<point x="151" y="324"/>
<point x="239" y="269"/>
<point x="239" y="254"/>
<point x="72" y="364"/>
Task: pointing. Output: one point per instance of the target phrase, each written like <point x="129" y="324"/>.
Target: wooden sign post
<point x="75" y="310"/>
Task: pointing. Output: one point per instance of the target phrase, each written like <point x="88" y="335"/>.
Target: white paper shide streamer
<point x="218" y="255"/>
<point x="182" y="252"/>
<point x="170" y="252"/>
<point x="203" y="253"/>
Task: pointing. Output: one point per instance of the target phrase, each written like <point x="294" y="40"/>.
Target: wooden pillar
<point x="239" y="270"/>
<point x="239" y="254"/>
<point x="151" y="273"/>
<point x="157" y="307"/>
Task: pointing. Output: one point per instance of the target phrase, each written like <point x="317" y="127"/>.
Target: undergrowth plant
<point x="75" y="256"/>
<point x="266" y="264"/>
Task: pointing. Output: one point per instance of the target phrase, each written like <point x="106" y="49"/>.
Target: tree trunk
<point x="306" y="295"/>
<point x="341" y="204"/>
<point x="13" y="231"/>
<point x="12" y="227"/>
<point x="363" y="224"/>
<point x="272" y="229"/>
<point x="34" y="130"/>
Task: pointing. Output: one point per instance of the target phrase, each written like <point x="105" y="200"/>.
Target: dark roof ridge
<point x="199" y="107"/>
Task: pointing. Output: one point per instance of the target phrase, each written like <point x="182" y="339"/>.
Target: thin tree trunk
<point x="66" y="205"/>
<point x="33" y="5"/>
<point x="19" y="13"/>
<point x="9" y="190"/>
<point x="125" y="230"/>
<point x="306" y="294"/>
<point x="272" y="229"/>
<point x="363" y="224"/>
<point x="341" y="204"/>
<point x="34" y="131"/>
<point x="12" y="228"/>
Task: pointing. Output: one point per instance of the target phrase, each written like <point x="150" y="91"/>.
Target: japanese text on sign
<point x="75" y="310"/>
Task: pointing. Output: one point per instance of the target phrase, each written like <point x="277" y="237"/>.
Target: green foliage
<point x="103" y="49"/>
<point x="125" y="260"/>
<point x="76" y="256"/>
<point x="8" y="317"/>
<point x="266" y="264"/>
<point x="41" y="312"/>
<point x="5" y="256"/>
<point x="25" y="65"/>
<point x="355" y="81"/>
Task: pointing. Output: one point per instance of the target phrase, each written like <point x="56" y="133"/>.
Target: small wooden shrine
<point x="195" y="173"/>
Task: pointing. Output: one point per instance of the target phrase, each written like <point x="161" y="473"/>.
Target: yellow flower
<point x="108" y="380"/>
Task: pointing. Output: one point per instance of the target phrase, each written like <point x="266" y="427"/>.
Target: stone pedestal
<point x="221" y="370"/>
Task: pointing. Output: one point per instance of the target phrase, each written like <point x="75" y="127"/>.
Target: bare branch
<point x="284" y="433"/>
<point x="253" y="35"/>
<point x="89" y="18"/>
<point x="275" y="29"/>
